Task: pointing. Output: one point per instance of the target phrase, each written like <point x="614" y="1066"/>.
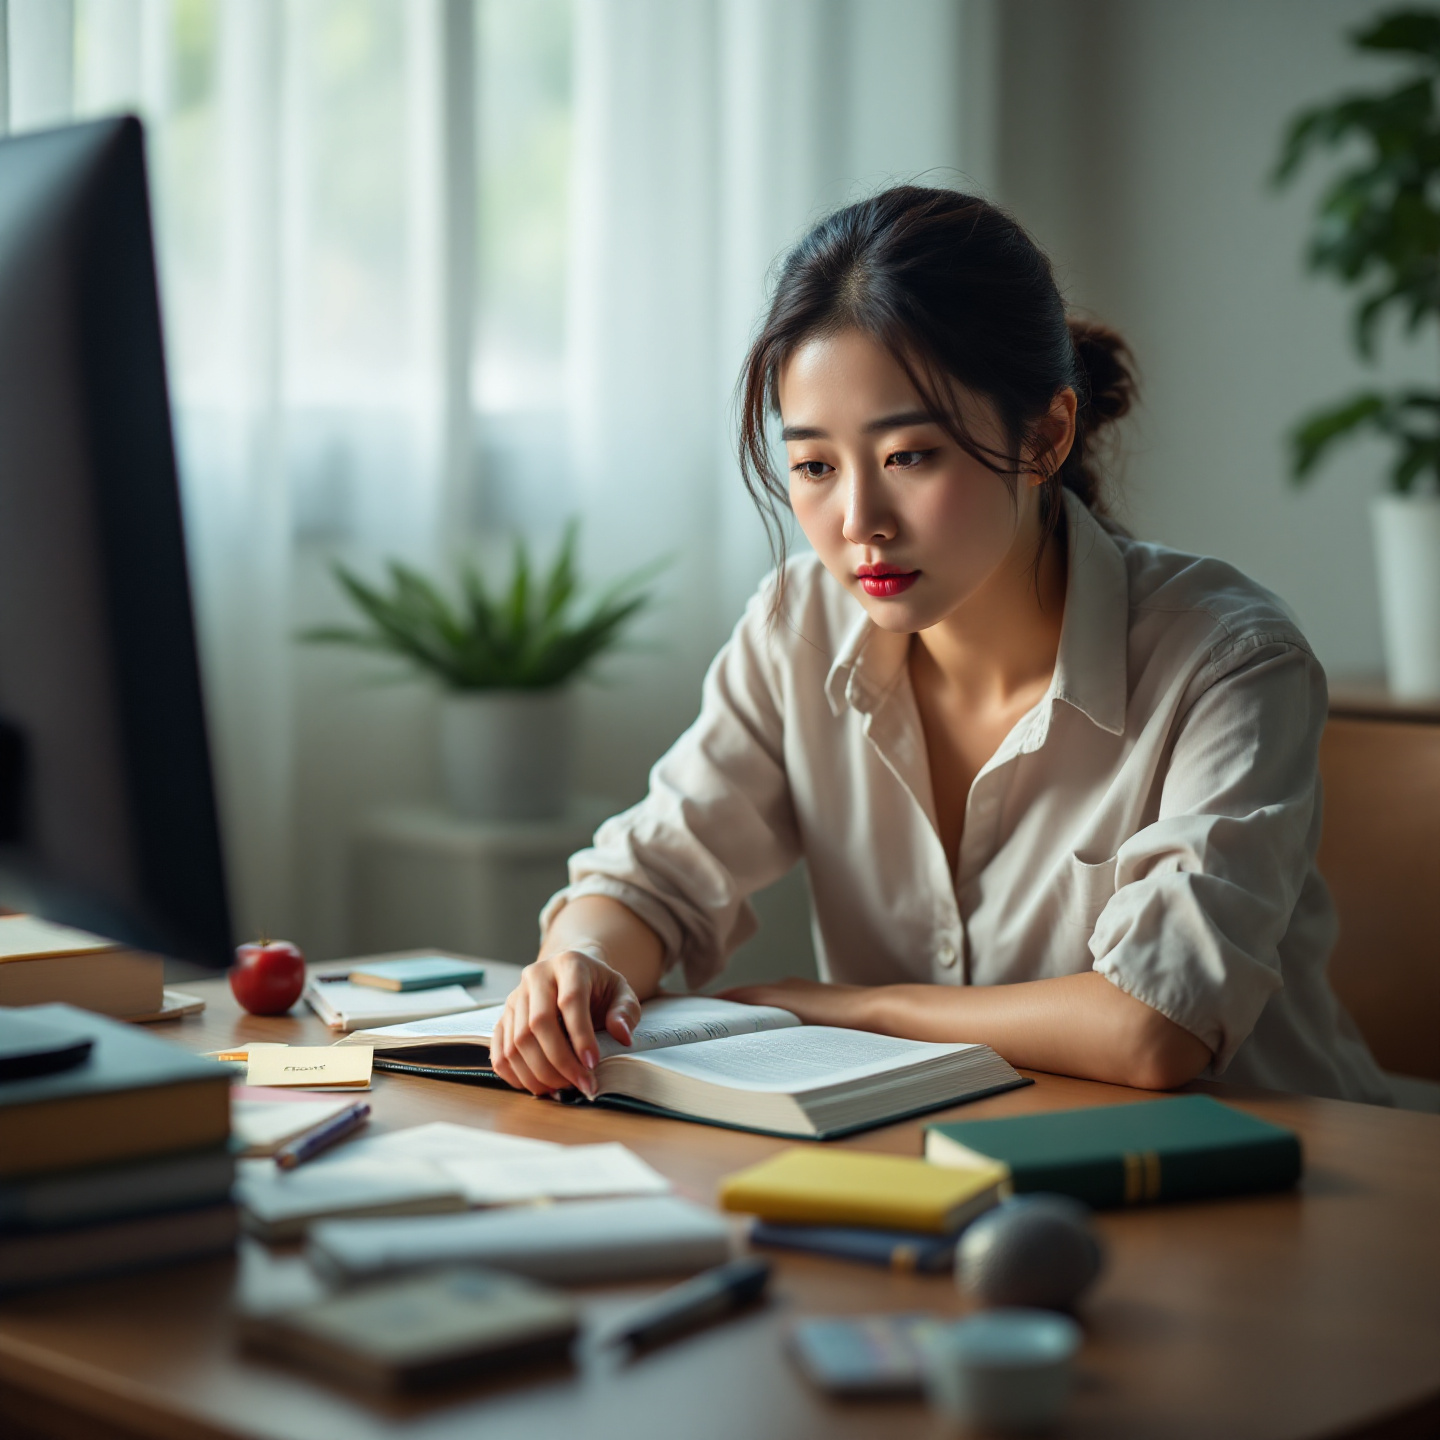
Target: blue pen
<point x="310" y="1144"/>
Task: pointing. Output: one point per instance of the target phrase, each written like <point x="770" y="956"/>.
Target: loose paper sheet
<point x="495" y="1169"/>
<point x="574" y="1172"/>
<point x="262" y="1126"/>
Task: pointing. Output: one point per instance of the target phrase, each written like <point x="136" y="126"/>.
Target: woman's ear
<point x="1053" y="436"/>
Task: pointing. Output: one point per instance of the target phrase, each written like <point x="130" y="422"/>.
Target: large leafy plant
<point x="1377" y="231"/>
<point x="535" y="633"/>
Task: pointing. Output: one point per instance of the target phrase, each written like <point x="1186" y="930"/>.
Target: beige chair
<point x="1380" y="854"/>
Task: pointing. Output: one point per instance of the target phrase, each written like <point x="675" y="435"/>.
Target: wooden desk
<point x="1308" y="1314"/>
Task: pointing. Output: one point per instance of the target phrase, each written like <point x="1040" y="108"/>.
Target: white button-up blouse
<point x="1154" y="817"/>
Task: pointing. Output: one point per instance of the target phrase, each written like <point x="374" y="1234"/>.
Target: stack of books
<point x="114" y="1149"/>
<point x="880" y="1209"/>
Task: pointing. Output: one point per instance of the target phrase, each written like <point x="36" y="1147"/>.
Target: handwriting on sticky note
<point x="312" y="1067"/>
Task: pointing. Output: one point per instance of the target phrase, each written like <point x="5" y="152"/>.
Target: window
<point x="304" y="190"/>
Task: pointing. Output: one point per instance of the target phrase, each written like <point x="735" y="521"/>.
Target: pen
<point x="696" y="1302"/>
<point x="310" y="1144"/>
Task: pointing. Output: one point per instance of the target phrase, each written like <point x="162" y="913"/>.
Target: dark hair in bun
<point x="956" y="291"/>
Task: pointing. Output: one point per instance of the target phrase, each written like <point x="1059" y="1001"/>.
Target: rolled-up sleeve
<point x="717" y="823"/>
<point x="1204" y="894"/>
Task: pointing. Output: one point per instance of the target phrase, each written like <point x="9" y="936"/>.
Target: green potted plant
<point x="504" y="663"/>
<point x="1377" y="230"/>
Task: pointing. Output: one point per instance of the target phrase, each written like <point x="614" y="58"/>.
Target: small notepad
<point x="310" y="1067"/>
<point x="418" y="972"/>
<point x="343" y="1006"/>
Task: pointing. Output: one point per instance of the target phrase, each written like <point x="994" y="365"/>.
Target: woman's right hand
<point x="545" y="1040"/>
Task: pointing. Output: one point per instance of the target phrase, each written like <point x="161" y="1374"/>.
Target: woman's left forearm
<point x="1070" y="1025"/>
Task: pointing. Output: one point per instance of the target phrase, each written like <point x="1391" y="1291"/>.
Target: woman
<point x="1056" y="789"/>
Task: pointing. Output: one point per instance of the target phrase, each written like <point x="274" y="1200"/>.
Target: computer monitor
<point x="107" y="810"/>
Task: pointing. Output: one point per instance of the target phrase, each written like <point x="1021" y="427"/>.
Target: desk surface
<point x="1315" y="1313"/>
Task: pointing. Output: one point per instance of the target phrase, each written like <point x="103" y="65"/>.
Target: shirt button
<point x="947" y="955"/>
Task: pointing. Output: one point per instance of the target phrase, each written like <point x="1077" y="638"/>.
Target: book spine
<point x="1271" y="1163"/>
<point x="1143" y="1177"/>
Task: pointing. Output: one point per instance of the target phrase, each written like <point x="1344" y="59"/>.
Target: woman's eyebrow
<point x="871" y="427"/>
<point x="896" y="422"/>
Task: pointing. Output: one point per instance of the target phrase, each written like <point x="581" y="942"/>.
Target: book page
<point x="689" y="1019"/>
<point x="672" y="1020"/>
<point x="793" y="1061"/>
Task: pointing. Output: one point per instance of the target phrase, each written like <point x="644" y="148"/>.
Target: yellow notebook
<point x="814" y="1186"/>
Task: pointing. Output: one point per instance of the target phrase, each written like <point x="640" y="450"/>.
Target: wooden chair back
<point x="1380" y="854"/>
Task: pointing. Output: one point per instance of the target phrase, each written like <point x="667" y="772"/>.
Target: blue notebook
<point x="901" y="1250"/>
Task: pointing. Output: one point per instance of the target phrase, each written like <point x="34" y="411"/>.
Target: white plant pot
<point x="506" y="754"/>
<point x="1407" y="561"/>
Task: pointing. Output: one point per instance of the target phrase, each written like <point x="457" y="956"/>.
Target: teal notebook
<point x="418" y="972"/>
<point x="1185" y="1148"/>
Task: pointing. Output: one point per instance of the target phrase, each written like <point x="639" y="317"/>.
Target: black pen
<point x="694" y="1303"/>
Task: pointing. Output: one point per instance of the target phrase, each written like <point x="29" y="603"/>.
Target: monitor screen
<point x="107" y="808"/>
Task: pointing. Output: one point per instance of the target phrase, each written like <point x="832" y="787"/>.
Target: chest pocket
<point x="1086" y="890"/>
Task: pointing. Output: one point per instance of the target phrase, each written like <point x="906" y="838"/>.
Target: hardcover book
<point x="134" y="1095"/>
<point x="42" y="963"/>
<point x="421" y="1330"/>
<point x="1184" y="1148"/>
<point x="748" y="1067"/>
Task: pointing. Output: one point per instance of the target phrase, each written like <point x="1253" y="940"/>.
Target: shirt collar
<point x="1090" y="670"/>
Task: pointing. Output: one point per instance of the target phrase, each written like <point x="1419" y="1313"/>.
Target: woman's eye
<point x="908" y="459"/>
<point x="810" y="469"/>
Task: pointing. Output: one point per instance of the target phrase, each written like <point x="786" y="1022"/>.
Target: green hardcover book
<point x="1185" y="1148"/>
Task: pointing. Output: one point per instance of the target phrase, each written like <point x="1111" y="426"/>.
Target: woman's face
<point x="899" y="514"/>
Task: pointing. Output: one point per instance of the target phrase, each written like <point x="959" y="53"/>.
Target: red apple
<point x="268" y="976"/>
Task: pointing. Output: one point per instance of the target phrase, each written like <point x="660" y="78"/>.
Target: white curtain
<point x="314" y="164"/>
<point x="709" y="135"/>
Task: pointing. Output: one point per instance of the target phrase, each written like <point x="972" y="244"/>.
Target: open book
<point x="750" y="1067"/>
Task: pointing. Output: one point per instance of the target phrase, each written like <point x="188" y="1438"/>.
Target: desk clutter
<point x="431" y="1169"/>
<point x="392" y="992"/>
<point x="117" y="1160"/>
<point x="444" y="1251"/>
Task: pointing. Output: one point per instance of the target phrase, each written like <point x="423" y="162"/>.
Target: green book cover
<point x="1183" y="1148"/>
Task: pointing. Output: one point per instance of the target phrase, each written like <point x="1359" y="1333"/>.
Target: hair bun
<point x="1108" y="369"/>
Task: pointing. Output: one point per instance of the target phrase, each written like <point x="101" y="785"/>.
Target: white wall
<point x="1135" y="138"/>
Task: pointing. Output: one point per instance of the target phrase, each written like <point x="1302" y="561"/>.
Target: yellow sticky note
<point x="311" y="1067"/>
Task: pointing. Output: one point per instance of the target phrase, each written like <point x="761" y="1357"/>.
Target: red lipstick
<point x="884" y="581"/>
